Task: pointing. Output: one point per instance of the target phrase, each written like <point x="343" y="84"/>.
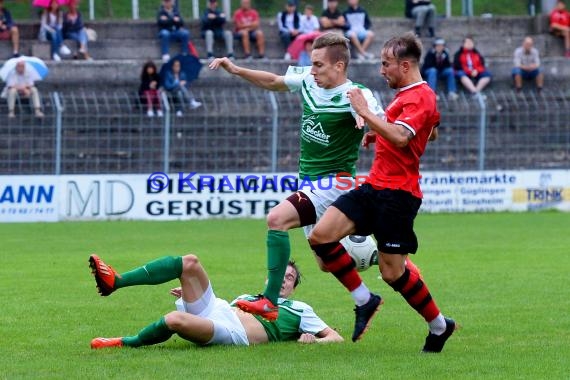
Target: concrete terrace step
<point x="138" y="39"/>
<point x="122" y="73"/>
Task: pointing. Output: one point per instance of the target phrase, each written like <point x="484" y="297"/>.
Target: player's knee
<point x="276" y="221"/>
<point x="317" y="237"/>
<point x="389" y="273"/>
<point x="190" y="263"/>
<point x="321" y="265"/>
<point x="174" y="320"/>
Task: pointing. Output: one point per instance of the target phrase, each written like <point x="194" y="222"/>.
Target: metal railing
<point x="250" y="130"/>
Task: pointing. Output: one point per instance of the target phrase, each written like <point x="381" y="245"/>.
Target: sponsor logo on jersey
<point x="314" y="131"/>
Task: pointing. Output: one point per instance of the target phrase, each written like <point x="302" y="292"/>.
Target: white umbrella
<point x="35" y="67"/>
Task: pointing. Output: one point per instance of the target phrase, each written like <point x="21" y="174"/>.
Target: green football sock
<point x="155" y="272"/>
<point x="278" y="253"/>
<point x="154" y="333"/>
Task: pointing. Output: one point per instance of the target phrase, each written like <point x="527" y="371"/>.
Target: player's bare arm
<point x="396" y="134"/>
<point x="262" y="79"/>
<point x="328" y="335"/>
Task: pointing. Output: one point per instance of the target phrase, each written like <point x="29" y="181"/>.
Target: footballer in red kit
<point x="387" y="204"/>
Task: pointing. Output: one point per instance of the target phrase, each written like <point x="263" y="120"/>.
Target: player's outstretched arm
<point x="259" y="78"/>
<point x="328" y="335"/>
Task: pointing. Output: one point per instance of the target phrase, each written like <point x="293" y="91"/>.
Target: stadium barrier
<point x="253" y="131"/>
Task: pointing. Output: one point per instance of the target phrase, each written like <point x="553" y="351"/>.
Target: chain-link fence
<point x="250" y="130"/>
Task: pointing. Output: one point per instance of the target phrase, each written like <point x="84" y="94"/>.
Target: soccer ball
<point x="362" y="249"/>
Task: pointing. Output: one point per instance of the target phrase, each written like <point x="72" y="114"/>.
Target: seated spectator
<point x="332" y="19"/>
<point x="212" y="25"/>
<point x="20" y="83"/>
<point x="423" y="12"/>
<point x="247" y="29"/>
<point x="289" y="24"/>
<point x="305" y="55"/>
<point x="527" y="65"/>
<point x="148" y="90"/>
<point x="309" y="22"/>
<point x="359" y="32"/>
<point x="9" y="31"/>
<point x="176" y="84"/>
<point x="51" y="26"/>
<point x="171" y="28"/>
<point x="437" y="65"/>
<point x="73" y="29"/>
<point x="560" y="24"/>
<point x="469" y="67"/>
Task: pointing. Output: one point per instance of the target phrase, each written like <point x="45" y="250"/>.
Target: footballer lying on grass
<point x="204" y="319"/>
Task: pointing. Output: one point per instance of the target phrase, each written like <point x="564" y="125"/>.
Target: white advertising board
<point x="184" y="196"/>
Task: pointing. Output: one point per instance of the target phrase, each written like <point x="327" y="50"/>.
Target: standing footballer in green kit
<point x="331" y="133"/>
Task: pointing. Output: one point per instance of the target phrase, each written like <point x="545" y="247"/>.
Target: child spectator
<point x="423" y="12"/>
<point x="309" y="22"/>
<point x="332" y="19"/>
<point x="176" y="84"/>
<point x="73" y="29"/>
<point x="469" y="67"/>
<point x="20" y="83"/>
<point x="171" y="28"/>
<point x="213" y="21"/>
<point x="527" y="65"/>
<point x="148" y="90"/>
<point x="289" y="22"/>
<point x="246" y="20"/>
<point x="560" y="24"/>
<point x="51" y="26"/>
<point x="359" y="32"/>
<point x="305" y="55"/>
<point x="437" y="65"/>
<point x="9" y="31"/>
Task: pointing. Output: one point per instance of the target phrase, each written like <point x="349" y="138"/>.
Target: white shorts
<point x="227" y="326"/>
<point x="323" y="193"/>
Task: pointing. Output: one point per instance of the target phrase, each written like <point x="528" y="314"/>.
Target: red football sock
<point x="415" y="291"/>
<point x="339" y="263"/>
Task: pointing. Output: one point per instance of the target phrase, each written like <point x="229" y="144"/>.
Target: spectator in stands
<point x="73" y="29"/>
<point x="51" y="26"/>
<point x="176" y="84"/>
<point x="309" y="22"/>
<point x="20" y="83"/>
<point x="148" y="90"/>
<point x="332" y="19"/>
<point x="9" y="31"/>
<point x="527" y="65"/>
<point x="470" y="68"/>
<point x="560" y="24"/>
<point x="423" y="12"/>
<point x="359" y="32"/>
<point x="289" y="24"/>
<point x="212" y="25"/>
<point x="171" y="28"/>
<point x="437" y="65"/>
<point x="247" y="29"/>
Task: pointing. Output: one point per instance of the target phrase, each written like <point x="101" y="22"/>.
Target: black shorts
<point x="387" y="214"/>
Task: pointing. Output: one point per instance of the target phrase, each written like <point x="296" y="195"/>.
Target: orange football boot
<point x="104" y="275"/>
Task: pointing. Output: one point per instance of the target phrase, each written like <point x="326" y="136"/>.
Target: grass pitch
<point x="501" y="276"/>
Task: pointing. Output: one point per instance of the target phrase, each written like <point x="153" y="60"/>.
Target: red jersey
<point x="245" y="17"/>
<point x="560" y="17"/>
<point x="414" y="107"/>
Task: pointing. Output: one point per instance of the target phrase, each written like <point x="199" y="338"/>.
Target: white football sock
<point x="361" y="295"/>
<point x="437" y="326"/>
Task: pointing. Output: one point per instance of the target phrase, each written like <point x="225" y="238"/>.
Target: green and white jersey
<point x="295" y="318"/>
<point x="329" y="139"/>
